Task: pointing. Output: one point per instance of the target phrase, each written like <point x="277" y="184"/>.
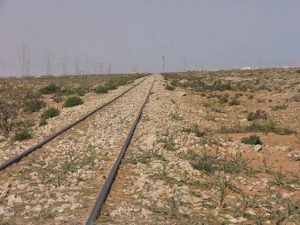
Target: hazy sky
<point x="134" y="34"/>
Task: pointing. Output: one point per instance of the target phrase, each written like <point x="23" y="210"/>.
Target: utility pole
<point x="49" y="66"/>
<point x="163" y="63"/>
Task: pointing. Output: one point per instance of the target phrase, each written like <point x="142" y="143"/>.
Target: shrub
<point x="8" y="114"/>
<point x="251" y="140"/>
<point x="50" y="89"/>
<point x="279" y="107"/>
<point x="223" y="98"/>
<point x="295" y="98"/>
<point x="33" y="94"/>
<point x="73" y="101"/>
<point x="195" y="129"/>
<point x="219" y="86"/>
<point x="237" y="95"/>
<point x="22" y="135"/>
<point x="101" y="89"/>
<point x="234" y="102"/>
<point x="49" y="113"/>
<point x="34" y="105"/>
<point x="259" y="114"/>
<point x="67" y="91"/>
<point x="170" y="87"/>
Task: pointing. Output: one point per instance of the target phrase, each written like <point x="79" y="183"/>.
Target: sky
<point x="96" y="36"/>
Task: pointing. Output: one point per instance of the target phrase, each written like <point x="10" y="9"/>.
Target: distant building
<point x="246" y="68"/>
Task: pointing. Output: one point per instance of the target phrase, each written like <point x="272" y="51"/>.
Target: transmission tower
<point x="76" y="66"/>
<point x="109" y="68"/>
<point x="25" y="58"/>
<point x="163" y="64"/>
<point x="100" y="67"/>
<point x="49" y="65"/>
<point x="64" y="65"/>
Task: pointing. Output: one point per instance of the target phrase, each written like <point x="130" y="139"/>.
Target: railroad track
<point x="34" y="148"/>
<point x="114" y="169"/>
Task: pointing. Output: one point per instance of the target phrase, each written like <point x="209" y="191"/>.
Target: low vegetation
<point x="50" y="113"/>
<point x="211" y="163"/>
<point x="279" y="107"/>
<point x="268" y="127"/>
<point x="170" y="87"/>
<point x="34" y="105"/>
<point x="258" y="114"/>
<point x="251" y="140"/>
<point x="22" y="135"/>
<point x="73" y="101"/>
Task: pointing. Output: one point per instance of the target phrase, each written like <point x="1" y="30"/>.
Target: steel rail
<point x="17" y="158"/>
<point x="114" y="170"/>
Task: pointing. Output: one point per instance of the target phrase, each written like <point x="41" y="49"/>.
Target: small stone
<point x="38" y="208"/>
<point x="295" y="155"/>
<point x="75" y="206"/>
<point x="2" y="211"/>
<point x="258" y="148"/>
<point x="251" y="212"/>
<point x="238" y="220"/>
<point x="13" y="199"/>
<point x="286" y="195"/>
<point x="181" y="94"/>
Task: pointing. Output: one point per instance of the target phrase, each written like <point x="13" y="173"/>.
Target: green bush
<point x="73" y="101"/>
<point x="170" y="87"/>
<point x="49" y="113"/>
<point x="34" y="105"/>
<point x="219" y="86"/>
<point x="251" y="140"/>
<point x="101" y="89"/>
<point x="259" y="114"/>
<point x="50" y="89"/>
<point x="22" y="135"/>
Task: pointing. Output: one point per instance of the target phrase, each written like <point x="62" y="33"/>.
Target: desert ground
<point x="212" y="147"/>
